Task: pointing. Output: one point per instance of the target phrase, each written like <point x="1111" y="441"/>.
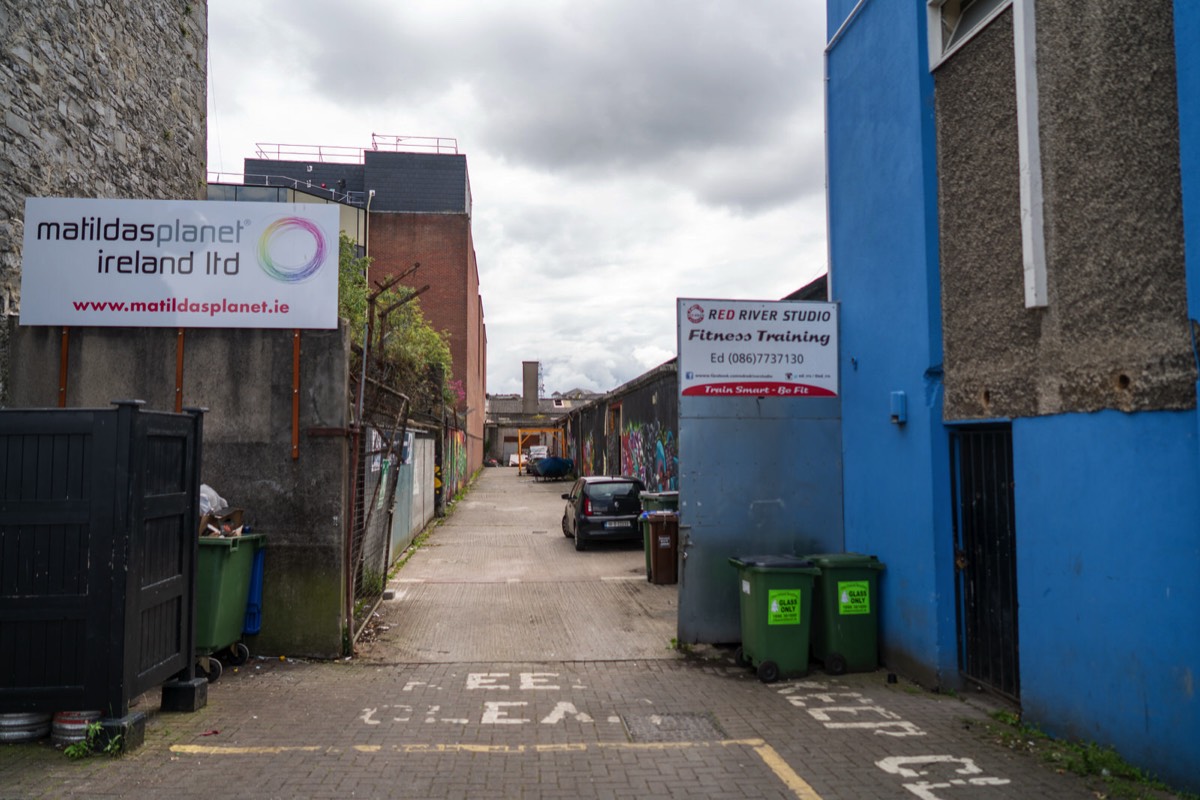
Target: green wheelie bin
<point x="776" y="609"/>
<point x="845" y="626"/>
<point x="223" y="571"/>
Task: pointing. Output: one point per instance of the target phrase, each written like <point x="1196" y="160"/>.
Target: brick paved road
<point x="511" y="666"/>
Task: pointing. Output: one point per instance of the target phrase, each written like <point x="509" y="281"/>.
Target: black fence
<point x="98" y="542"/>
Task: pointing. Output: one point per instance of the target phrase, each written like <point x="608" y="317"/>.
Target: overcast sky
<point x="622" y="153"/>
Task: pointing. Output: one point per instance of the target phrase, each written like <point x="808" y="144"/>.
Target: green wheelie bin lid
<point x="660" y="501"/>
<point x="771" y="562"/>
<point x="845" y="561"/>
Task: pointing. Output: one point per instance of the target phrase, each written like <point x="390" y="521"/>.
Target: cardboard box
<point x="227" y="523"/>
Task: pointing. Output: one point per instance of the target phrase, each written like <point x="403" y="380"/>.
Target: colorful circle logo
<point x="272" y="240"/>
<point x="695" y="314"/>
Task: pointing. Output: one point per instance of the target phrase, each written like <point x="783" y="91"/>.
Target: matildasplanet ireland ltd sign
<point x="179" y="264"/>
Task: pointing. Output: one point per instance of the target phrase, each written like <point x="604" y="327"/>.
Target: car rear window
<point x="613" y="490"/>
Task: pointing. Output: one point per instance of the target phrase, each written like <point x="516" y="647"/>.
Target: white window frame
<point x="939" y="50"/>
<point x="1033" y="242"/>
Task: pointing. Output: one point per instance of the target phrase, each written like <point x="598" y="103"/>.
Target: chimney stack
<point x="529" y="383"/>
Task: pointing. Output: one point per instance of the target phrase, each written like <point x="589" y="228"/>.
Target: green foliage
<point x="406" y="352"/>
<point x="352" y="287"/>
<point x="372" y="583"/>
<point x="91" y="743"/>
<point x="1102" y="766"/>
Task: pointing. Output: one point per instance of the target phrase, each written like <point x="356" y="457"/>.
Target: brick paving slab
<point x="427" y="711"/>
<point x="294" y="729"/>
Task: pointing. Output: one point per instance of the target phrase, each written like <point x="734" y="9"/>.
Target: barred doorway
<point x="985" y="556"/>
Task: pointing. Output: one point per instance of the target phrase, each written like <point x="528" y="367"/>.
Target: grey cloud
<point x="595" y="87"/>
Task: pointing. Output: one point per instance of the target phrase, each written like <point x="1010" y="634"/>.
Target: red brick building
<point x="442" y="244"/>
<point x="419" y="206"/>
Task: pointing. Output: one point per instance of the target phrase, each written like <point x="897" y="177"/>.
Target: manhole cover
<point x="673" y="728"/>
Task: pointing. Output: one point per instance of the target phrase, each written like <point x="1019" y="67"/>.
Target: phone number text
<point x="756" y="358"/>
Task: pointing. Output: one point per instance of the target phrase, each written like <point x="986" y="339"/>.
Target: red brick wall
<point x="442" y="244"/>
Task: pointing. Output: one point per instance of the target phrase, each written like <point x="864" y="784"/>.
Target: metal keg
<point x="71" y="726"/>
<point x="23" y="726"/>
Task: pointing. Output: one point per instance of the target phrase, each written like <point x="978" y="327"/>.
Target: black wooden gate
<point x="985" y="556"/>
<point x="98" y="541"/>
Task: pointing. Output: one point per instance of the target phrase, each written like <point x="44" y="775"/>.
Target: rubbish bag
<point x="210" y="501"/>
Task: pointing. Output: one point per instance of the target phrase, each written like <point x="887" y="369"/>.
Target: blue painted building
<point x="1014" y="220"/>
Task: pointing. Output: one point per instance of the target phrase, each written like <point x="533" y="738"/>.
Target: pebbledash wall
<point x="1098" y="386"/>
<point x="98" y="100"/>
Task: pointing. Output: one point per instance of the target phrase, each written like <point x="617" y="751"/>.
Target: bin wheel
<point x="835" y="664"/>
<point x="208" y="668"/>
<point x="239" y="654"/>
<point x="768" y="672"/>
<point x="739" y="658"/>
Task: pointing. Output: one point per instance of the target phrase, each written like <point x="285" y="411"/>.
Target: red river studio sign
<point x="745" y="348"/>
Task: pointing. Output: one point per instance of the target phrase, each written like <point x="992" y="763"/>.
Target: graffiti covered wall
<point x="585" y="439"/>
<point x="455" y="462"/>
<point x="649" y="434"/>
<point x="450" y="472"/>
<point x="644" y="431"/>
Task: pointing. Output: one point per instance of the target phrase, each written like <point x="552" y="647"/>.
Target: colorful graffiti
<point x="586" y="464"/>
<point x="454" y="470"/>
<point x="650" y="454"/>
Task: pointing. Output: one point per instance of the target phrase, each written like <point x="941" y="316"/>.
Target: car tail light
<point x="587" y="506"/>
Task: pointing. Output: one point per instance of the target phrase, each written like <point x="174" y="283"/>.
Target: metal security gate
<point x="985" y="557"/>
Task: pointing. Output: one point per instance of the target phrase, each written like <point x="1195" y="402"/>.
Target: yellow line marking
<point x="782" y="770"/>
<point x="560" y="748"/>
<point x="652" y="745"/>
<point x="785" y="773"/>
<point x="215" y="750"/>
<point x="461" y="748"/>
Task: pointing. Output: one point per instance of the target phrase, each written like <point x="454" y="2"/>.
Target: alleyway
<point x="509" y="665"/>
<point x="498" y="581"/>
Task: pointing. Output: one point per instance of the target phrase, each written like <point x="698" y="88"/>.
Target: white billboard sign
<point x="179" y="263"/>
<point x="746" y="348"/>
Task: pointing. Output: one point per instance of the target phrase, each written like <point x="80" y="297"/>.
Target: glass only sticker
<point x="783" y="607"/>
<point x="854" y="597"/>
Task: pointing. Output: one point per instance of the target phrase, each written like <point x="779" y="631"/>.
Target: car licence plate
<point x="618" y="523"/>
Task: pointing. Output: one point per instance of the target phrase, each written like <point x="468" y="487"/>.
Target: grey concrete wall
<point x="97" y="100"/>
<point x="244" y="379"/>
<point x="1114" y="334"/>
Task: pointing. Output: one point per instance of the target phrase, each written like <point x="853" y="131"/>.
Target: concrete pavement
<point x="510" y="665"/>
